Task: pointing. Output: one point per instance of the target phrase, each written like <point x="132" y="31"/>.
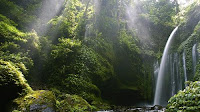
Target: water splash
<point x="159" y="86"/>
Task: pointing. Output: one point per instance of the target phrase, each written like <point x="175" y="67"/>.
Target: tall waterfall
<point x="156" y="70"/>
<point x="161" y="80"/>
<point x="194" y="58"/>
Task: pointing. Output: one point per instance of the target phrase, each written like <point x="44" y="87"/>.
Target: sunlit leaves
<point x="72" y="19"/>
<point x="64" y="47"/>
<point x="161" y="12"/>
<point x="186" y="100"/>
<point x="16" y="13"/>
<point x="11" y="76"/>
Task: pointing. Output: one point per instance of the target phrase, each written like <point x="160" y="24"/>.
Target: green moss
<point x="186" y="100"/>
<point x="74" y="103"/>
<point x="36" y="101"/>
<point x="15" y="41"/>
<point x="17" y="46"/>
<point x="74" y="84"/>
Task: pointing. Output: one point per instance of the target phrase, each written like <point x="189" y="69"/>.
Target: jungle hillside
<point x="99" y="55"/>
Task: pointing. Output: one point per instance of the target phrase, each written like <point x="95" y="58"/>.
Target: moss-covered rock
<point x="12" y="83"/>
<point x="37" y="101"/>
<point x="187" y="100"/>
<point x="77" y="85"/>
<point x="73" y="103"/>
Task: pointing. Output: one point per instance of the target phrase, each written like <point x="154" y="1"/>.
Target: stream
<point x="156" y="108"/>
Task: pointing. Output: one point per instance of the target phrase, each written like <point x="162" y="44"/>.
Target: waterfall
<point x="172" y="66"/>
<point x="184" y="68"/>
<point x="160" y="80"/>
<point x="178" y="76"/>
<point x="156" y="70"/>
<point x="194" y="58"/>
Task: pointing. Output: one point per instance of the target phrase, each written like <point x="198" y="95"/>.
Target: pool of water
<point x="137" y="109"/>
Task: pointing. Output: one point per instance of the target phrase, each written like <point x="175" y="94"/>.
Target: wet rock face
<point x="44" y="108"/>
<point x="156" y="107"/>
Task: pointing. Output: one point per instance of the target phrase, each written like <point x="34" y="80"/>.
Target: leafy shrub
<point x="73" y="103"/>
<point x="7" y="21"/>
<point x="11" y="76"/>
<point x="22" y="61"/>
<point x="16" y="13"/>
<point x="72" y="57"/>
<point x="186" y="100"/>
<point x="17" y="39"/>
<point x="67" y="24"/>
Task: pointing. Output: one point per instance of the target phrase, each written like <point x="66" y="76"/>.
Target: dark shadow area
<point x="7" y="94"/>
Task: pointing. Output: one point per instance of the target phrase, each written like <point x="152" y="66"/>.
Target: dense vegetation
<point x="87" y="55"/>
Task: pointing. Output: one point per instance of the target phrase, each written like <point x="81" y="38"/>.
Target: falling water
<point x="176" y="80"/>
<point x="156" y="70"/>
<point x="160" y="80"/>
<point x="173" y="82"/>
<point x="184" y="68"/>
<point x="178" y="76"/>
<point x="194" y="58"/>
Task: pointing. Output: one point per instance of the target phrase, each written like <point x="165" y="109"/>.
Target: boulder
<point x="37" y="101"/>
<point x="74" y="103"/>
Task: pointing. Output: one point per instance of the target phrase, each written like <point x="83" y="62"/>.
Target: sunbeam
<point x="50" y="9"/>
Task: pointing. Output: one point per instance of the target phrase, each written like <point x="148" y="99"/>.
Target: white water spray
<point x="160" y="80"/>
